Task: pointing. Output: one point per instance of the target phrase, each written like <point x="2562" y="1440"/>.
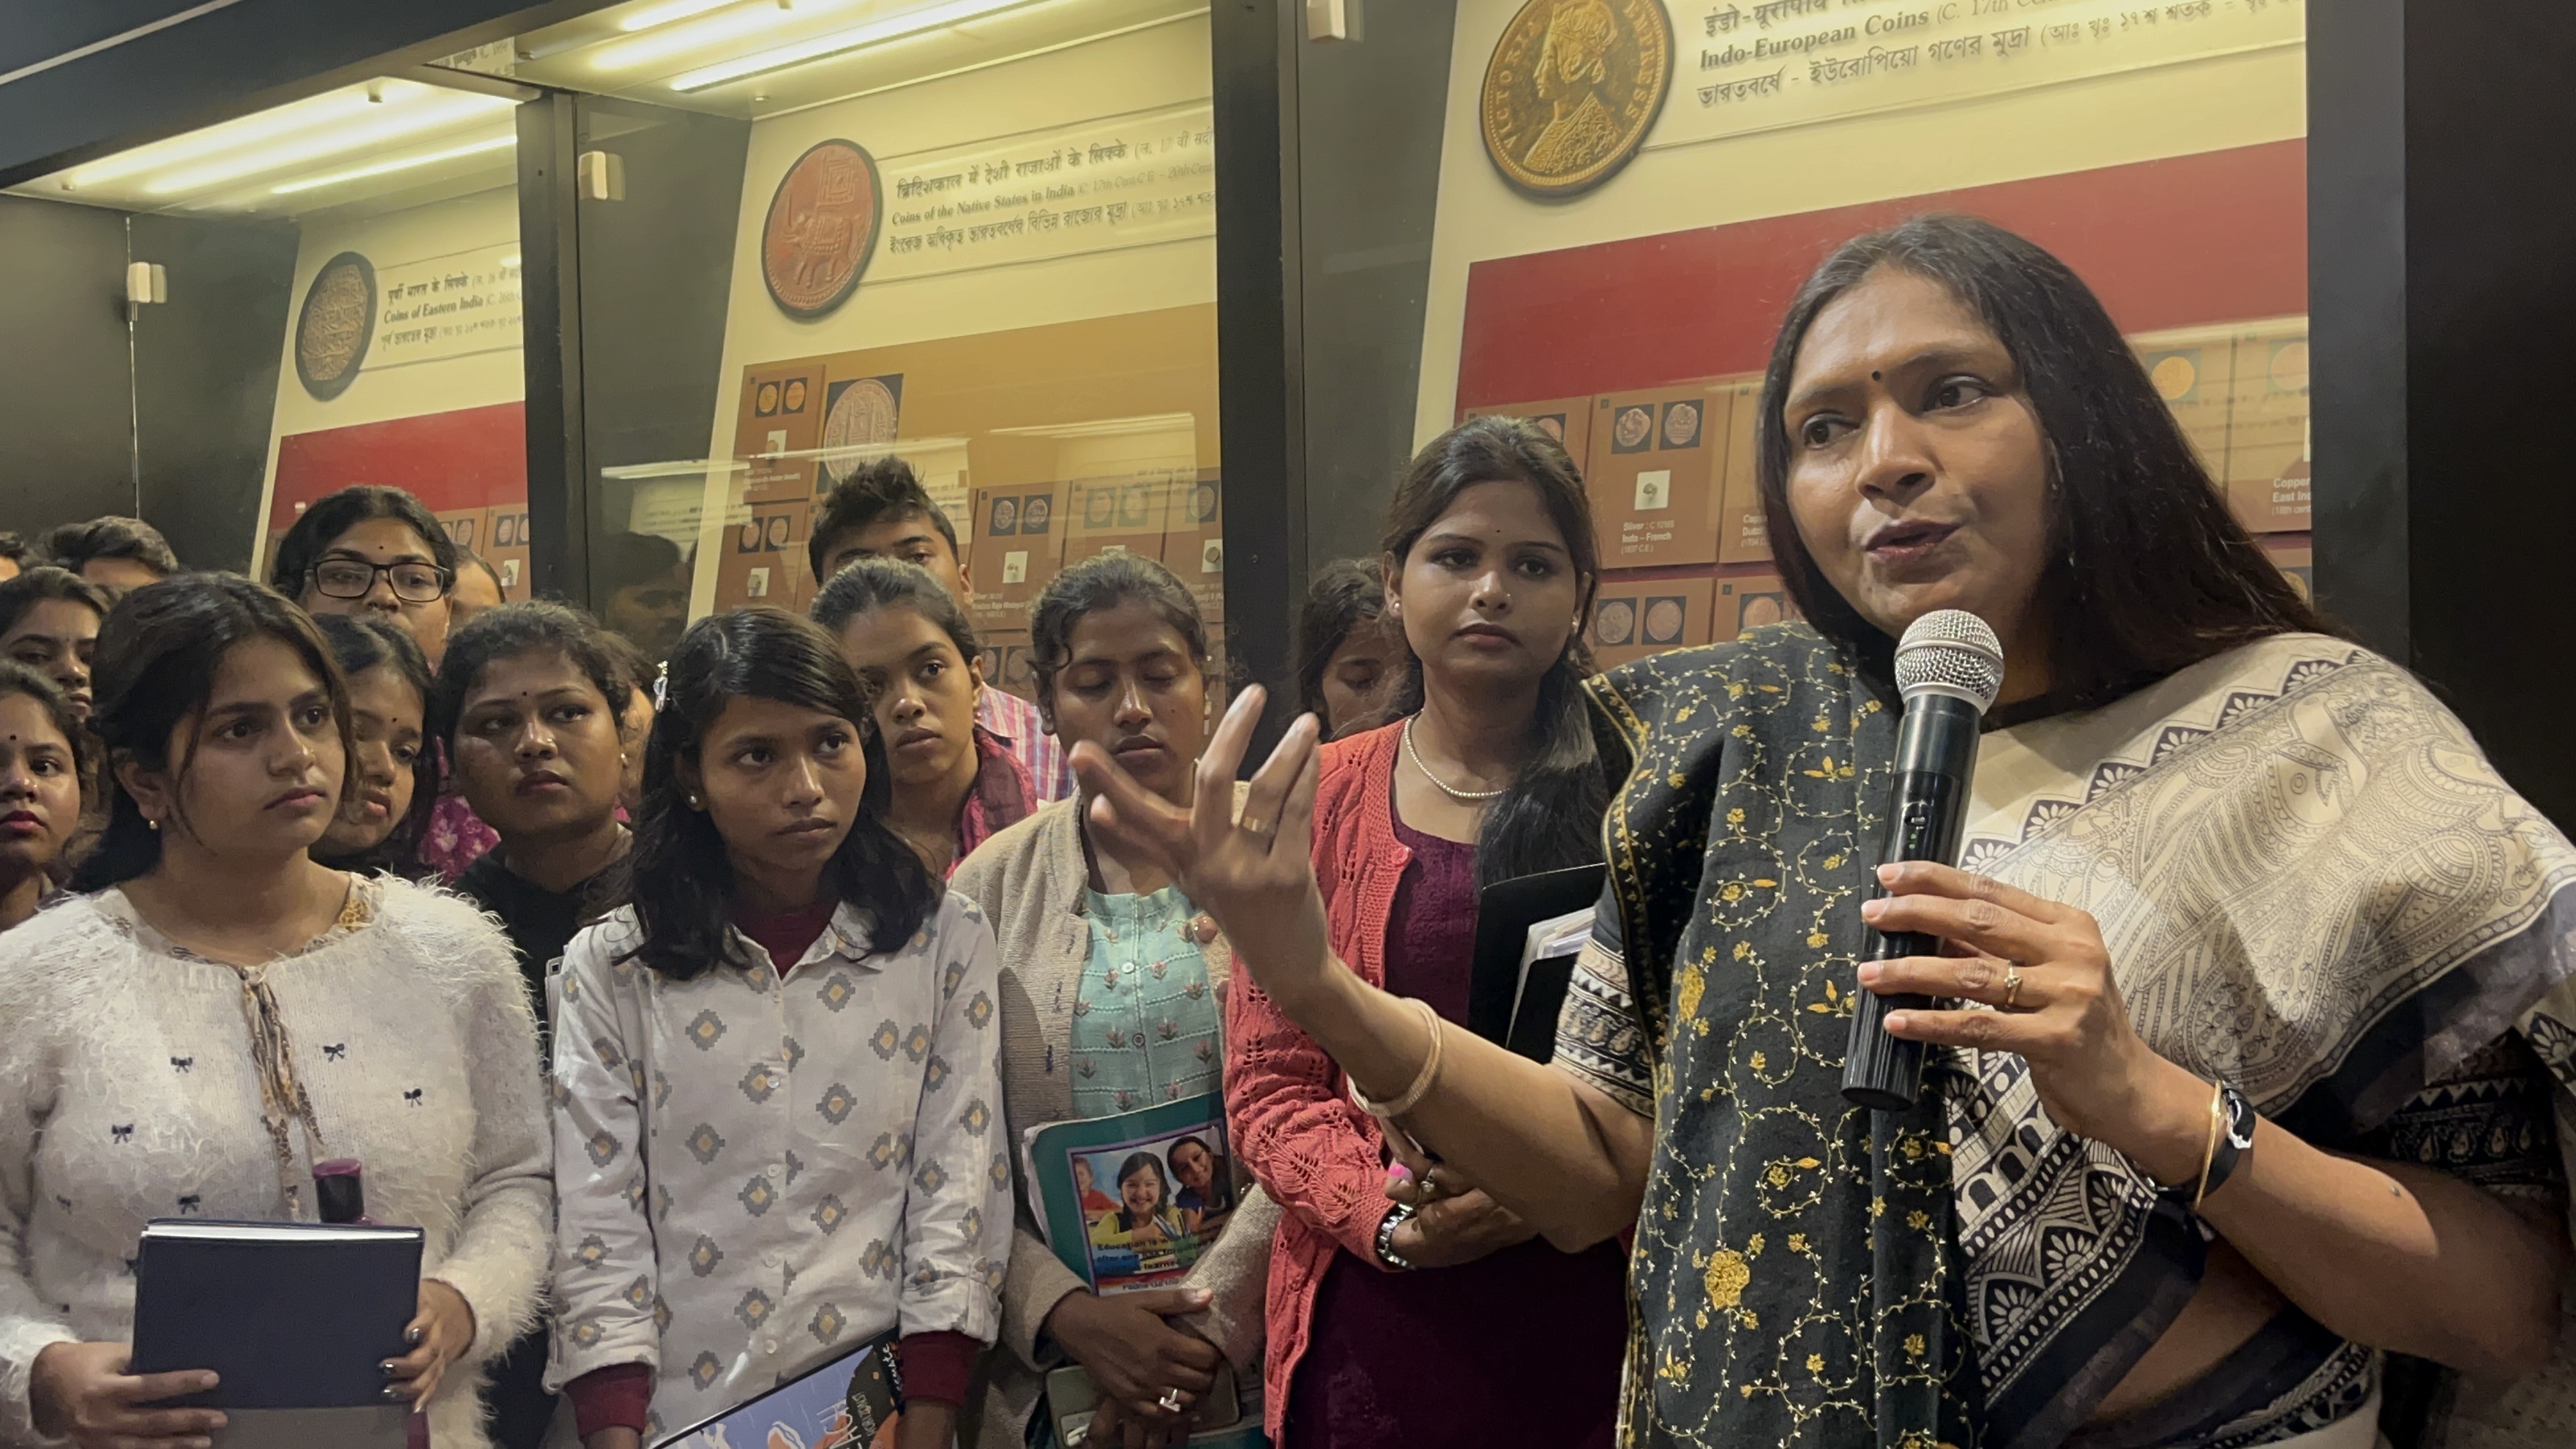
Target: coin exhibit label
<point x="1092" y="186"/>
<point x="1753" y="65"/>
<point x="821" y="228"/>
<point x="361" y="317"/>
<point x="1572" y="89"/>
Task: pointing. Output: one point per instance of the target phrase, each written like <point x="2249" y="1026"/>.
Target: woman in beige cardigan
<point x="1112" y="993"/>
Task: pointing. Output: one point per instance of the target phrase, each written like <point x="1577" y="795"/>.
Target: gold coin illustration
<point x="2174" y="374"/>
<point x="1571" y="90"/>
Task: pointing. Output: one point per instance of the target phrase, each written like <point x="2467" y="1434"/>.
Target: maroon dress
<point x="1521" y="1348"/>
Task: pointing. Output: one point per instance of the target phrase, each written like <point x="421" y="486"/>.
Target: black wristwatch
<point x="1401" y="1214"/>
<point x="2235" y="1137"/>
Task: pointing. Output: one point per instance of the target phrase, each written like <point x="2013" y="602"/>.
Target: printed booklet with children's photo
<point x="1133" y="1202"/>
<point x="849" y="1403"/>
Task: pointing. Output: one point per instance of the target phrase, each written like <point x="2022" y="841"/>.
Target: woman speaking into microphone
<point x="2240" y="1072"/>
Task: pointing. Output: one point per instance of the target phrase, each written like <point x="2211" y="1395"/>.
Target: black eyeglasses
<point x="349" y="578"/>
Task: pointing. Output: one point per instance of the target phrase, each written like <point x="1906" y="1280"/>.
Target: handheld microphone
<point x="1949" y="668"/>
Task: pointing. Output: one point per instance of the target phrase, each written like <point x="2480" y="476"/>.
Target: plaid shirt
<point x="1015" y="722"/>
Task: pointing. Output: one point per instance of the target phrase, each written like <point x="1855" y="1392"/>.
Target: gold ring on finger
<point x="2012" y="987"/>
<point x="1257" y="827"/>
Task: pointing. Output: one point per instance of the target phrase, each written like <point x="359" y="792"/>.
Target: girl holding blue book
<point x="777" y="1082"/>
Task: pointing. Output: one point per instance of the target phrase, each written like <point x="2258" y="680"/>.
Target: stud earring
<point x="154" y="823"/>
<point x="694" y="805"/>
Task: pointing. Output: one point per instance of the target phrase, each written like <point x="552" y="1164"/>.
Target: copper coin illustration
<point x="1663" y="620"/>
<point x="1681" y="424"/>
<point x="1616" y="621"/>
<point x="1760" y="609"/>
<point x="335" y="326"/>
<point x="795" y="401"/>
<point x="765" y="401"/>
<point x="1635" y="425"/>
<point x="1552" y="424"/>
<point x="1571" y="90"/>
<point x="821" y="228"/>
<point x="863" y="415"/>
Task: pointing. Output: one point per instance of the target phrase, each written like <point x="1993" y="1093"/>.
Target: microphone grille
<point x="1953" y="652"/>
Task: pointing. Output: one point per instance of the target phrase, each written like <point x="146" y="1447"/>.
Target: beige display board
<point x="2240" y="391"/>
<point x="1747" y="599"/>
<point x="1633" y="619"/>
<point x="1756" y="65"/>
<point x="1027" y="410"/>
<point x="1656" y="457"/>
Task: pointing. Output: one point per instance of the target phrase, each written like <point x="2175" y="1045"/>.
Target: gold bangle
<point x="1422" y="1080"/>
<point x="2209" y="1154"/>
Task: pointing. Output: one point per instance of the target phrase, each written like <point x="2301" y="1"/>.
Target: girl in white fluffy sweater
<point x="222" y="1012"/>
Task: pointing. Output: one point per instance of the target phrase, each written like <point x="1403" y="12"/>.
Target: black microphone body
<point x="1936" y="759"/>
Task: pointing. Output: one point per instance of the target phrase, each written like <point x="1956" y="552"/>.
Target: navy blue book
<point x="290" y="1316"/>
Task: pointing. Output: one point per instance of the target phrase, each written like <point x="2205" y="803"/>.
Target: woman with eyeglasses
<point x="371" y="551"/>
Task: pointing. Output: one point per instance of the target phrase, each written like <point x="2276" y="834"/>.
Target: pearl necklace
<point x="1463" y="797"/>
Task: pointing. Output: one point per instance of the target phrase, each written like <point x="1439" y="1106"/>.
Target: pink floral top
<point x="455" y="839"/>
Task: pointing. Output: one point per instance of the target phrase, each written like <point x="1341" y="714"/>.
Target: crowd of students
<point x="695" y="989"/>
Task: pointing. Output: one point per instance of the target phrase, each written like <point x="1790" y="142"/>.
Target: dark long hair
<point x="326" y="520"/>
<point x="1551" y="816"/>
<point x="2147" y="572"/>
<point x="361" y="644"/>
<point x="683" y="878"/>
<point x="158" y="654"/>
<point x="1345" y="597"/>
<point x="1105" y="581"/>
<point x="1136" y="1162"/>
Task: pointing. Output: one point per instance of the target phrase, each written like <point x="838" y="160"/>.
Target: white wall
<point x="2211" y="104"/>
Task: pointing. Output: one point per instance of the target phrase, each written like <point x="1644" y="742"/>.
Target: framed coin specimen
<point x="337" y="322"/>
<point x="1572" y="89"/>
<point x="822" y="228"/>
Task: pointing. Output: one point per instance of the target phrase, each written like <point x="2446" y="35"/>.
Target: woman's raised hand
<point x="1255" y="873"/>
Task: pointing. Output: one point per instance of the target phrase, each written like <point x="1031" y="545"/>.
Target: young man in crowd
<point x="114" y="553"/>
<point x="882" y="511"/>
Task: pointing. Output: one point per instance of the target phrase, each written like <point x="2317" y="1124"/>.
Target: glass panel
<point x="1628" y="193"/>
<point x="335" y="300"/>
<point x="977" y="236"/>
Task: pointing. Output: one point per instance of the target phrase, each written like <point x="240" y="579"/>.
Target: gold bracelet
<point x="2209" y="1154"/>
<point x="1421" y="1088"/>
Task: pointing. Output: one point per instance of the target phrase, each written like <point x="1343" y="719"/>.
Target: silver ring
<point x="1171" y="1400"/>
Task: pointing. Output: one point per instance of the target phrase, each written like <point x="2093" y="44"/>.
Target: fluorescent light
<point x="717" y="32"/>
<point x="444" y="110"/>
<point x="891" y="27"/>
<point x="653" y="15"/>
<point x="381" y="168"/>
<point x="214" y="140"/>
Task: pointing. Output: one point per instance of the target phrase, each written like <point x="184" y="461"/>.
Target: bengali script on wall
<point x="1092" y="186"/>
<point x="446" y="306"/>
<point x="1749" y="65"/>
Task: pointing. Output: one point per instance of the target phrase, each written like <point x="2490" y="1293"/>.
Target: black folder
<point x="292" y="1317"/>
<point x="1502" y="1007"/>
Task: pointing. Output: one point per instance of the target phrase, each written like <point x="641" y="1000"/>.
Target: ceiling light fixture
<point x="383" y="168"/>
<point x="653" y="15"/>
<point x="214" y="140"/>
<point x="890" y="27"/>
<point x="389" y="123"/>
<point x="723" y="32"/>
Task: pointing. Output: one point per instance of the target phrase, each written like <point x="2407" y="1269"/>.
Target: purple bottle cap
<point x="339" y="1167"/>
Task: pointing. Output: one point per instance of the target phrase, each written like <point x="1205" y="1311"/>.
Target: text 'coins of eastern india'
<point x="821" y="228"/>
<point x="1572" y="89"/>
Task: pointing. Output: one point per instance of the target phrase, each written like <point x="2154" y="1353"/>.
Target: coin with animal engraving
<point x="821" y="228"/>
<point x="335" y="326"/>
<point x="863" y="415"/>
<point x="1571" y="90"/>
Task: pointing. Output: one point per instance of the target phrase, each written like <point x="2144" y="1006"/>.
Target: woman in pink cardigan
<point x="1453" y="1325"/>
